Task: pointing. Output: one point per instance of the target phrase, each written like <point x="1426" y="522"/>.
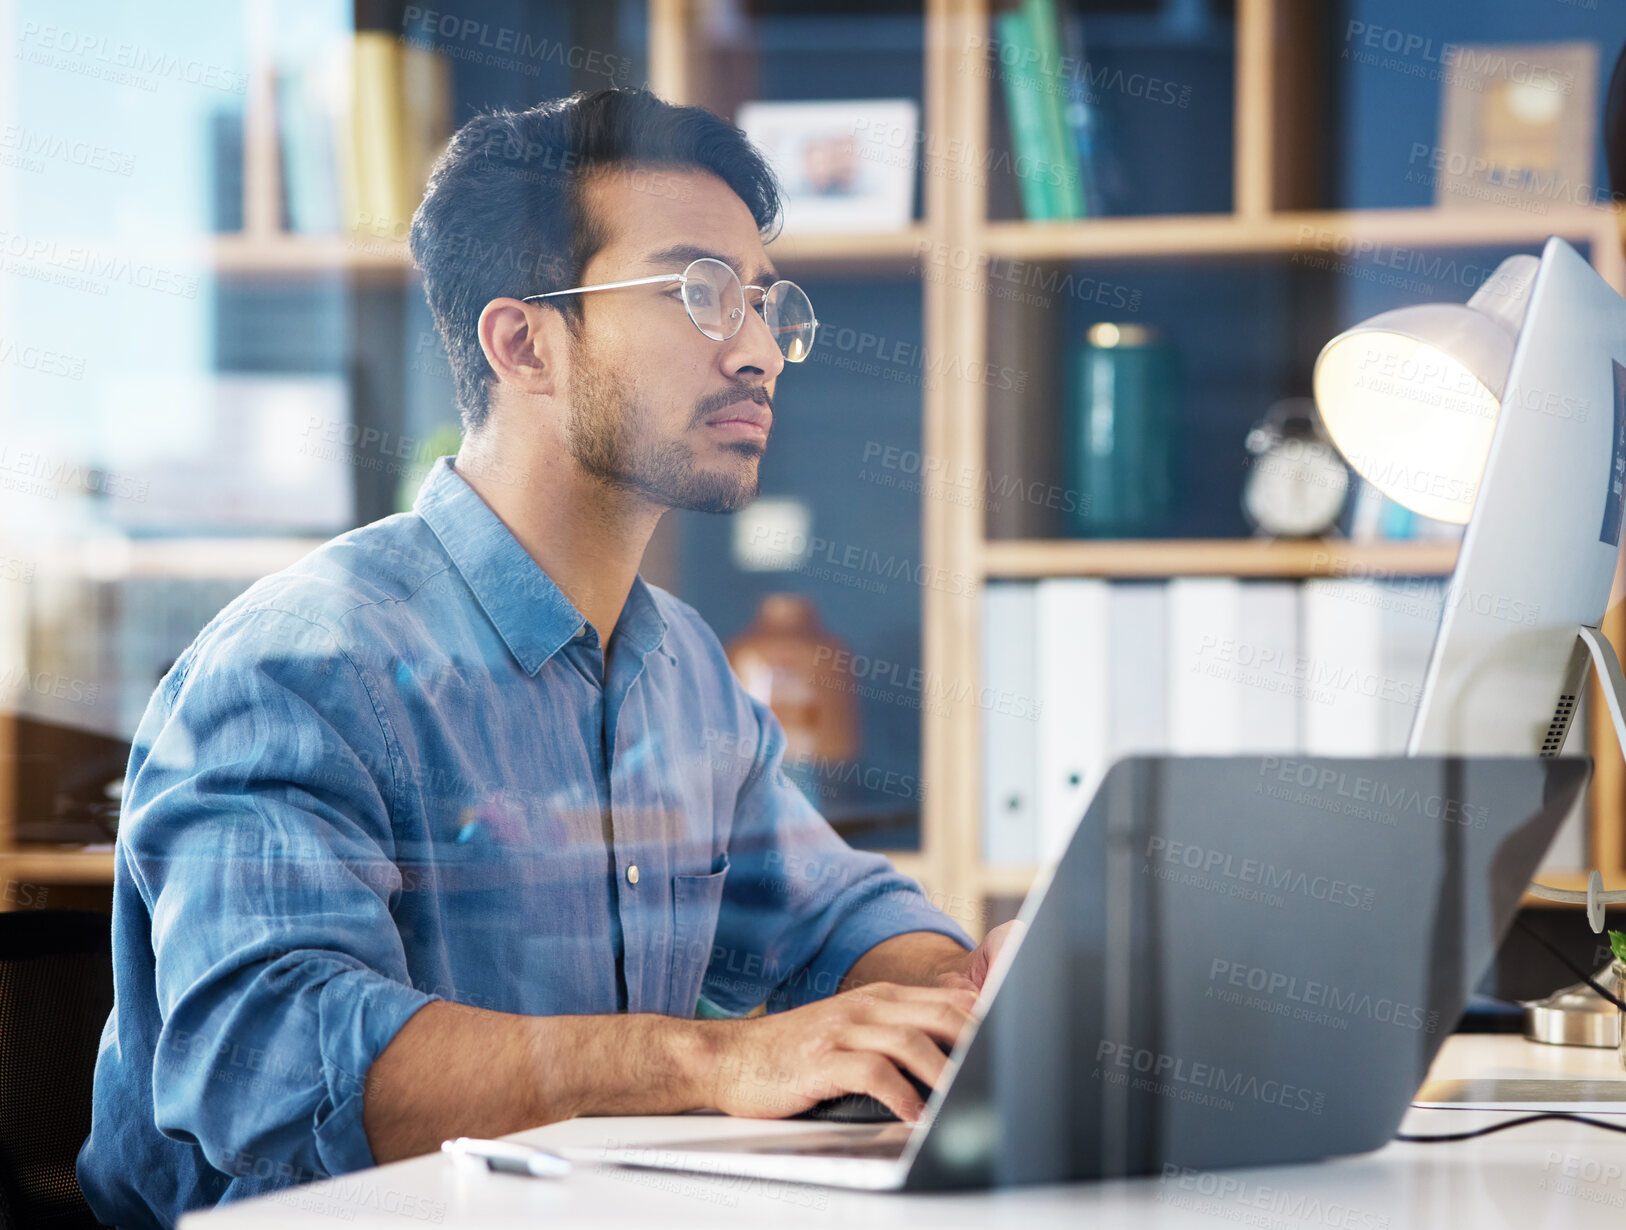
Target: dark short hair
<point x="504" y="212"/>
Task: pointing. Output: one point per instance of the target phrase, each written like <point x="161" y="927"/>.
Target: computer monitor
<point x="1539" y="554"/>
<point x="1509" y="414"/>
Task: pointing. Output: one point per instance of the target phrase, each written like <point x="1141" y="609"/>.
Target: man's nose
<point x="754" y="347"/>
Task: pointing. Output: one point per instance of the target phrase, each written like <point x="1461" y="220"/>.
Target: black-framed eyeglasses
<point x="716" y="303"/>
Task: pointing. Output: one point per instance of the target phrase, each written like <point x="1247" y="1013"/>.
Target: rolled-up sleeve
<point x="800" y="905"/>
<point x="257" y="829"/>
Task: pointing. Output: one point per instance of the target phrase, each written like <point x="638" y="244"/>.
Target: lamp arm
<point x="1613" y="683"/>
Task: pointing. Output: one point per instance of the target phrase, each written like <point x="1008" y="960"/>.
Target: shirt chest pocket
<point x="696" y="900"/>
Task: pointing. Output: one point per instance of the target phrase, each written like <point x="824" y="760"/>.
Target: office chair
<point x="56" y="989"/>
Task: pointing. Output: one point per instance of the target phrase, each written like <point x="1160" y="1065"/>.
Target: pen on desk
<point x="509" y="1156"/>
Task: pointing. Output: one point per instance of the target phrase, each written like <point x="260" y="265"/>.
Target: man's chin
<point x="724" y="489"/>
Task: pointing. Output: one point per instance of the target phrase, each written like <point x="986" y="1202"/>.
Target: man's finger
<point x="899" y="992"/>
<point x="943" y="1019"/>
<point x="908" y="1049"/>
<point x="867" y="1072"/>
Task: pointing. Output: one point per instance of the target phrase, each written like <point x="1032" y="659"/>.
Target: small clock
<point x="1297" y="482"/>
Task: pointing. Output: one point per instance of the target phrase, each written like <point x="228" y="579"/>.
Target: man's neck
<point x="587" y="537"/>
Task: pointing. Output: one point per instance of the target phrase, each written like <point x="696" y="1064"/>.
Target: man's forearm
<point x="453" y="1070"/>
<point x="916" y="958"/>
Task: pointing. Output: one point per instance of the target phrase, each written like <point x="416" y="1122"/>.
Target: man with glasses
<point x="457" y="826"/>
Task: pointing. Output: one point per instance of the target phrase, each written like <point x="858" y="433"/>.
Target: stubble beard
<point x="604" y="442"/>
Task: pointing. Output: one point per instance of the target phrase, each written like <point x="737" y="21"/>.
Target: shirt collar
<point x="529" y="611"/>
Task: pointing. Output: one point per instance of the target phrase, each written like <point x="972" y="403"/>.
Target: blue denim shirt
<point x="403" y="770"/>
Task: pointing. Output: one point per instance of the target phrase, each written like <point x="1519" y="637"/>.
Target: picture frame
<point x="1517" y="127"/>
<point x="845" y="166"/>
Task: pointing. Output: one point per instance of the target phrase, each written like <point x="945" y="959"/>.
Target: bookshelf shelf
<point x="54" y="865"/>
<point x="1330" y="233"/>
<point x="890" y="250"/>
<point x="1215" y="557"/>
<point x="1014" y="882"/>
<point x="180" y="558"/>
<point x="292" y="255"/>
<point x="282" y="253"/>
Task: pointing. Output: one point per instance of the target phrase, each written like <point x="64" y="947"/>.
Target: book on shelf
<point x="1196" y="666"/>
<point x="224" y="180"/>
<point x="1086" y="128"/>
<point x="1205" y="707"/>
<point x="1343" y="649"/>
<point x="1062" y="179"/>
<point x="1010" y="834"/>
<point x="1024" y="107"/>
<point x="376" y="173"/>
<point x="309" y="106"/>
<point x="360" y="126"/>
<point x="427" y="106"/>
<point x="1268" y="616"/>
<point x="1075" y="719"/>
<point x="1137" y="618"/>
<point x="1050" y="116"/>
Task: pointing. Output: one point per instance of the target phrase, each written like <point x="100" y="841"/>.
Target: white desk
<point x="1544" y="1175"/>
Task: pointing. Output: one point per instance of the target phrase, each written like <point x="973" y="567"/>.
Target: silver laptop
<point x="1239" y="961"/>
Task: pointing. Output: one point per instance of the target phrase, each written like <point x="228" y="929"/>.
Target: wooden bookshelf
<point x="1274" y="142"/>
<point x="1245" y="557"/>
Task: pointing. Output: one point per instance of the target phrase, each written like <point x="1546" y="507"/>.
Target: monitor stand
<point x="1577" y="1015"/>
<point x="1613" y="685"/>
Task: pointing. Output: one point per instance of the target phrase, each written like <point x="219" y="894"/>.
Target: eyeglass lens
<point x="716" y="303"/>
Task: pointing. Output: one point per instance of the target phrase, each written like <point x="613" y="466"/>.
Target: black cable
<point x="1511" y="1123"/>
<point x="1570" y="965"/>
<point x="1571" y="1116"/>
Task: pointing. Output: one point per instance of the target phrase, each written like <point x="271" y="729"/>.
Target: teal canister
<point x="1121" y="432"/>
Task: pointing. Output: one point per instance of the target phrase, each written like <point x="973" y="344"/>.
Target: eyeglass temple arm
<point x="582" y="290"/>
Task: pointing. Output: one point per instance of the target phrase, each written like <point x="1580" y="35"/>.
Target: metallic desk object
<point x="1577" y="1015"/>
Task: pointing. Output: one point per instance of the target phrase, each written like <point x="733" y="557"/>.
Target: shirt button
<point x="581" y="632"/>
<point x="632" y="874"/>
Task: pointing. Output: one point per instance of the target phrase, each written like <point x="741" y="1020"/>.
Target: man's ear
<point x="526" y="344"/>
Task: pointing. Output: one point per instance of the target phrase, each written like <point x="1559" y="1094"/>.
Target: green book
<point x="1025" y="107"/>
<point x="1064" y="181"/>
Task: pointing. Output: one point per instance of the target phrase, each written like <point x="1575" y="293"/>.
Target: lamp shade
<point x="1411" y="396"/>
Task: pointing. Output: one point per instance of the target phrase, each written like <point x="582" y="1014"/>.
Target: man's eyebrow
<point x="686" y="252"/>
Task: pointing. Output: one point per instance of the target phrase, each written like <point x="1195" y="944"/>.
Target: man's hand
<point x="855" y="1042"/>
<point x="454" y="1070"/>
<point x="927" y="959"/>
